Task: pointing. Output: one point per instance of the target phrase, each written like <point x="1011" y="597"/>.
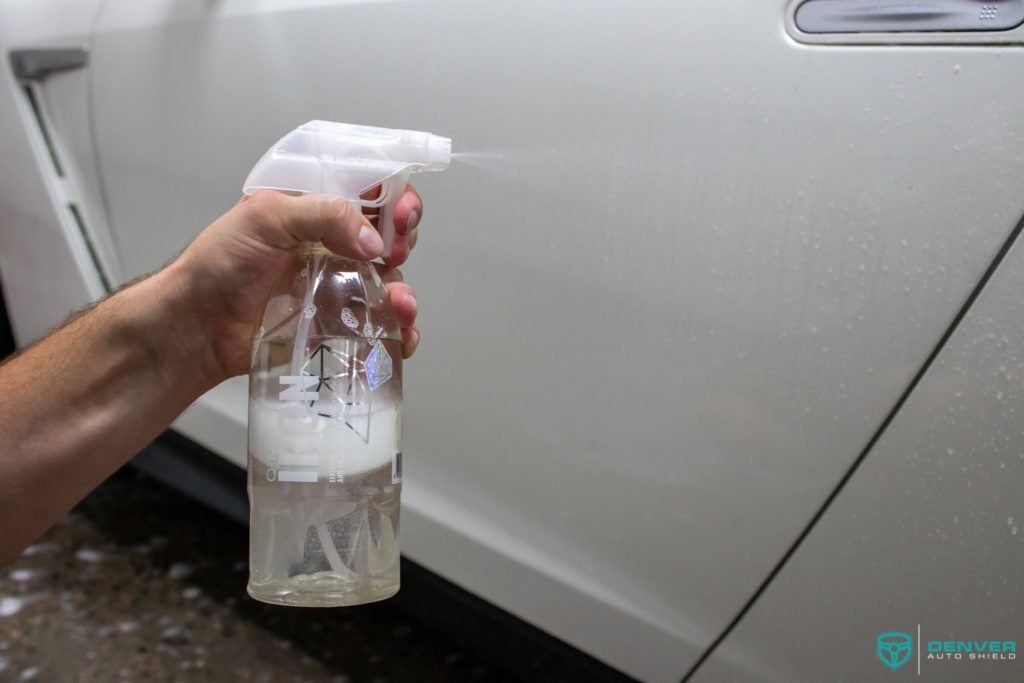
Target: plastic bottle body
<point x="325" y="437"/>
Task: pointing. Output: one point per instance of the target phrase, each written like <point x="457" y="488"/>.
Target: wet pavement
<point x="140" y="583"/>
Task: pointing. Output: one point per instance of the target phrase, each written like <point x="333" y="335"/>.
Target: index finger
<point x="408" y="211"/>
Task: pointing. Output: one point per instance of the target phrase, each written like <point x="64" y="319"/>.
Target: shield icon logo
<point x="894" y="648"/>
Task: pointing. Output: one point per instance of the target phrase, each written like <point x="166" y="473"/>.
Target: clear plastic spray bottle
<point x="325" y="389"/>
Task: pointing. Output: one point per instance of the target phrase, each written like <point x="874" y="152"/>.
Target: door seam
<point x="936" y="350"/>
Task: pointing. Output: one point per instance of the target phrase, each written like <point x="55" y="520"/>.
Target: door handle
<point x="35" y="64"/>
<point x="911" y="16"/>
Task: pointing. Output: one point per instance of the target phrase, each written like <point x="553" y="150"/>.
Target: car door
<point x="686" y="267"/>
<point x="56" y="255"/>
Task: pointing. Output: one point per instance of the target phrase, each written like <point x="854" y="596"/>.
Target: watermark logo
<point x="973" y="649"/>
<point x="894" y="648"/>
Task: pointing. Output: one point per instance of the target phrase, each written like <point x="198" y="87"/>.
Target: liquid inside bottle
<point x="325" y="438"/>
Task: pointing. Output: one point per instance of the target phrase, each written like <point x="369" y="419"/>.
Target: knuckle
<point x="263" y="207"/>
<point x="264" y="199"/>
<point x="338" y="210"/>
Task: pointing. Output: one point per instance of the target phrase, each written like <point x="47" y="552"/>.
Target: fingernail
<point x="370" y="241"/>
<point x="412" y="221"/>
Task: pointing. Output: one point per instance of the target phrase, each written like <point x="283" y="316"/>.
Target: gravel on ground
<point x="140" y="583"/>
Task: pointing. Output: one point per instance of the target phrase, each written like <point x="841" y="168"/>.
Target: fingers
<point x="408" y="212"/>
<point x="404" y="305"/>
<point x="399" y="251"/>
<point x="282" y="221"/>
<point x="410" y="340"/>
<point x="372" y="193"/>
<point x="372" y="213"/>
<point x="408" y="208"/>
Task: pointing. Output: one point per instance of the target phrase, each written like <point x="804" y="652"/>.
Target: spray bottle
<point x="325" y="389"/>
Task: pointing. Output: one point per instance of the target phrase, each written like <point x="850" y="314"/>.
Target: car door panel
<point x="685" y="270"/>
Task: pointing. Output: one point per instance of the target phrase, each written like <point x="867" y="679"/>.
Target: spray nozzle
<point x="348" y="160"/>
<point x="439" y="153"/>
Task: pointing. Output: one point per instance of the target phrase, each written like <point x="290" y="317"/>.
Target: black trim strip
<point x="76" y="215"/>
<point x="7" y="345"/>
<point x="33" y="102"/>
<point x="1000" y="255"/>
<point x="90" y="247"/>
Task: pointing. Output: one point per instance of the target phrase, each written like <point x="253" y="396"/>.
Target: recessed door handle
<point x="37" y="63"/>
<point x="881" y="16"/>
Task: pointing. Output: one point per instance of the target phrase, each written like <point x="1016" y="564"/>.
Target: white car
<point x="722" y="375"/>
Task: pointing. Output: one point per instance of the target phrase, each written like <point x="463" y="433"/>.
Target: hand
<point x="229" y="268"/>
<point x="141" y="356"/>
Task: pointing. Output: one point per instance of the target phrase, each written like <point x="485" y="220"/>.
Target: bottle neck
<point x="314" y="249"/>
<point x="308" y="250"/>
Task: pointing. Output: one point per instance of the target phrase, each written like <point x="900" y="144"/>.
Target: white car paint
<point x="691" y="265"/>
<point x="926" y="534"/>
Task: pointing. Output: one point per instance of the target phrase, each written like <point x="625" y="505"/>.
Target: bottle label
<point x="319" y="428"/>
<point x="379" y="367"/>
<point x="295" y="388"/>
<point x="396" y="468"/>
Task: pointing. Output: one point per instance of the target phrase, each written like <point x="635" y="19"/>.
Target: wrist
<point x="175" y="329"/>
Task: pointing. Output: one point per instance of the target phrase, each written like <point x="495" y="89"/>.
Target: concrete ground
<point x="140" y="583"/>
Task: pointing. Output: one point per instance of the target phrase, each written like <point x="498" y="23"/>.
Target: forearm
<point x="79" y="404"/>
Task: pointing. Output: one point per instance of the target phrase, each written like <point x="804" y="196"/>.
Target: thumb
<point x="283" y="220"/>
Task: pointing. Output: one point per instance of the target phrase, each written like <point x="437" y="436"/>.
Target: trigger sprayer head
<point x="350" y="160"/>
<point x="345" y="159"/>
